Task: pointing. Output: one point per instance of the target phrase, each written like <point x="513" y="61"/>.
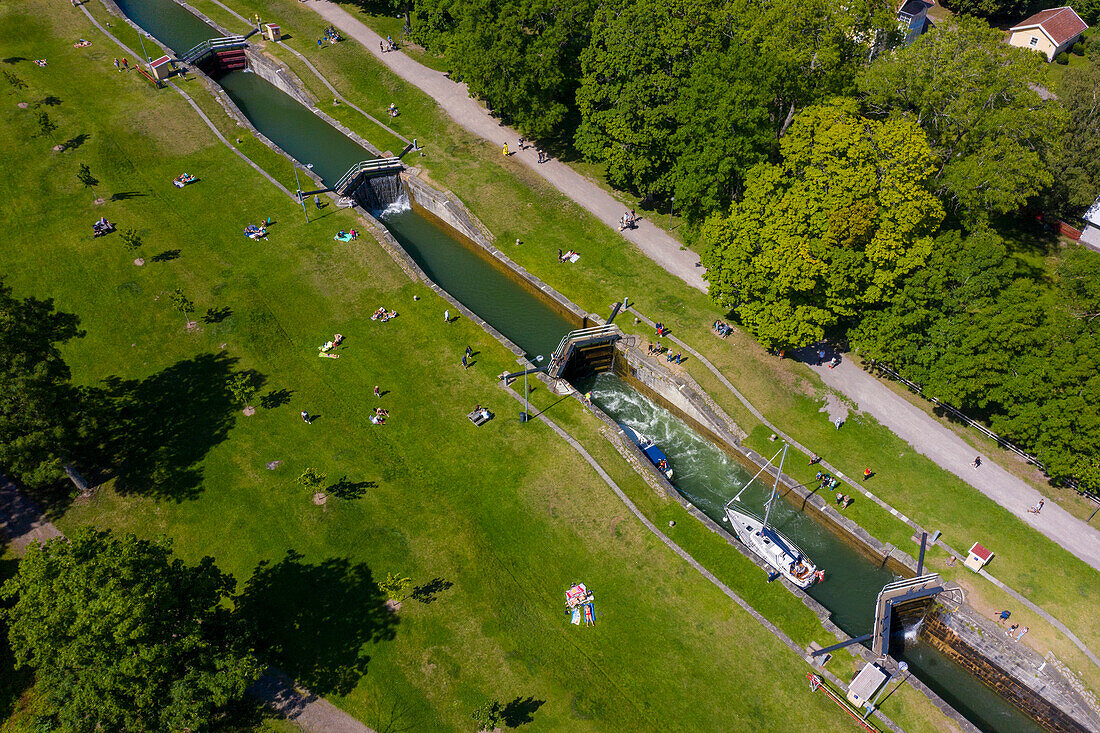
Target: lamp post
<point x="526" y="413"/>
<point x="301" y="200"/>
<point x="143" y="51"/>
<point x="671" y="208"/>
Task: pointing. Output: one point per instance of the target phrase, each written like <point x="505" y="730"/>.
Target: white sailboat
<point x="769" y="543"/>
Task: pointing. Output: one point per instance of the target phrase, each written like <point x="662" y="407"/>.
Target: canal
<point x="704" y="474"/>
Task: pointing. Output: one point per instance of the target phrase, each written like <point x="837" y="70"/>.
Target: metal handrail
<point x="587" y="333"/>
<point x="201" y="49"/>
<point x="365" y="166"/>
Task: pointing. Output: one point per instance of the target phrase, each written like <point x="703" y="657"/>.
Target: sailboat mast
<point x="774" y="489"/>
<point x="764" y="468"/>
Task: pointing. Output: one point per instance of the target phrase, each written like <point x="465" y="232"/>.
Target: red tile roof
<point x="1061" y="24"/>
<point x="982" y="553"/>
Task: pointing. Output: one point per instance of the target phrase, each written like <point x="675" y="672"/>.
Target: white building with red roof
<point x="1050" y="31"/>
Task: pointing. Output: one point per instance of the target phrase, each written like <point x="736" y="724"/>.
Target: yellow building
<point x="1050" y="32"/>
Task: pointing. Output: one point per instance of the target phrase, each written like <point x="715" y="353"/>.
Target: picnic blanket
<point x="574" y="258"/>
<point x="345" y="237"/>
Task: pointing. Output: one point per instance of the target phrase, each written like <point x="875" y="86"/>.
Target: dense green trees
<point x="124" y="636"/>
<point x="40" y="417"/>
<point x="521" y="57"/>
<point x="681" y="100"/>
<point x="977" y="333"/>
<point x="676" y="97"/>
<point x="976" y="98"/>
<point x="830" y="231"/>
<point x="1077" y="183"/>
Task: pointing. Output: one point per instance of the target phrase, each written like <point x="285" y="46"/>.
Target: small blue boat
<point x="655" y="455"/>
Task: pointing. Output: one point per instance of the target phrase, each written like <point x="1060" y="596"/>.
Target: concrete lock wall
<point x="445" y="207"/>
<point x="1014" y="671"/>
<point x="278" y="76"/>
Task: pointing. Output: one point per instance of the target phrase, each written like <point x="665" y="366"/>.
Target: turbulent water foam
<point x="397" y="207"/>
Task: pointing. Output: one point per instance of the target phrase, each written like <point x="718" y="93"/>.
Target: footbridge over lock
<point x="373" y="184"/>
<point x="584" y="351"/>
<point x="900" y="604"/>
<point x="217" y="55"/>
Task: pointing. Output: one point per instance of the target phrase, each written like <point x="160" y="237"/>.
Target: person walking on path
<point x="588" y="398"/>
<point x="1038" y="507"/>
<point x="306" y="418"/>
<point x="505" y="151"/>
<point x="447" y="316"/>
<point x="377" y="392"/>
<point x="977" y="462"/>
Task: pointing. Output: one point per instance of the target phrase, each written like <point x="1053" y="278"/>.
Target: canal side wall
<point x="278" y="76"/>
<point x="685" y="398"/>
<point x="447" y="208"/>
<point x="1016" y="672"/>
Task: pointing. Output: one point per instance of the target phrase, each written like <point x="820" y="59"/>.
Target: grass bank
<point x="516" y="204"/>
<point x="491" y="523"/>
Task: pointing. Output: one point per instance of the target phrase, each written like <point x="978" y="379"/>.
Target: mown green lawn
<point x="516" y="204"/>
<point x="503" y="517"/>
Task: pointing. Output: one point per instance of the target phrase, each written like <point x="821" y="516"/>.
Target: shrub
<point x="1078" y="49"/>
<point x="1062" y="58"/>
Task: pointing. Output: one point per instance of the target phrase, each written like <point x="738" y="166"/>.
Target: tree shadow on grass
<point x="167" y="255"/>
<point x="313" y="621"/>
<point x="75" y="142"/>
<point x="519" y="711"/>
<point x="217" y="315"/>
<point x="162" y="426"/>
<point x="48" y="101"/>
<point x="13" y="59"/>
<point x="347" y="489"/>
<point x="429" y="592"/>
<point x="123" y="195"/>
<point x="276" y="398"/>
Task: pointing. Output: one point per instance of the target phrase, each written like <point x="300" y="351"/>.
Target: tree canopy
<point x="831" y="230"/>
<point x="979" y="334"/>
<point x="976" y="97"/>
<point x="40" y="419"/>
<point x="520" y="57"/>
<point x="124" y="636"/>
<point x="1077" y="183"/>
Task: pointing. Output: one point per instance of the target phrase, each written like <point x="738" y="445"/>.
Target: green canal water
<point x="704" y="474"/>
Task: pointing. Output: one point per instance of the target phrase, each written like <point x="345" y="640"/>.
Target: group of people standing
<point x="629" y="220"/>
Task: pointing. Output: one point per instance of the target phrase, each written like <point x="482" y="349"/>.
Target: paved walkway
<point x="453" y="97"/>
<point x="921" y="431"/>
<point x="930" y="438"/>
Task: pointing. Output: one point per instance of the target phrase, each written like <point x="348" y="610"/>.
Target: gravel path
<point x="453" y="97"/>
<point x="921" y="431"/>
<point x="928" y="437"/>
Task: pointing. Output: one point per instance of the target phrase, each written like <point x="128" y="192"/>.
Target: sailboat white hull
<point x="773" y="547"/>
